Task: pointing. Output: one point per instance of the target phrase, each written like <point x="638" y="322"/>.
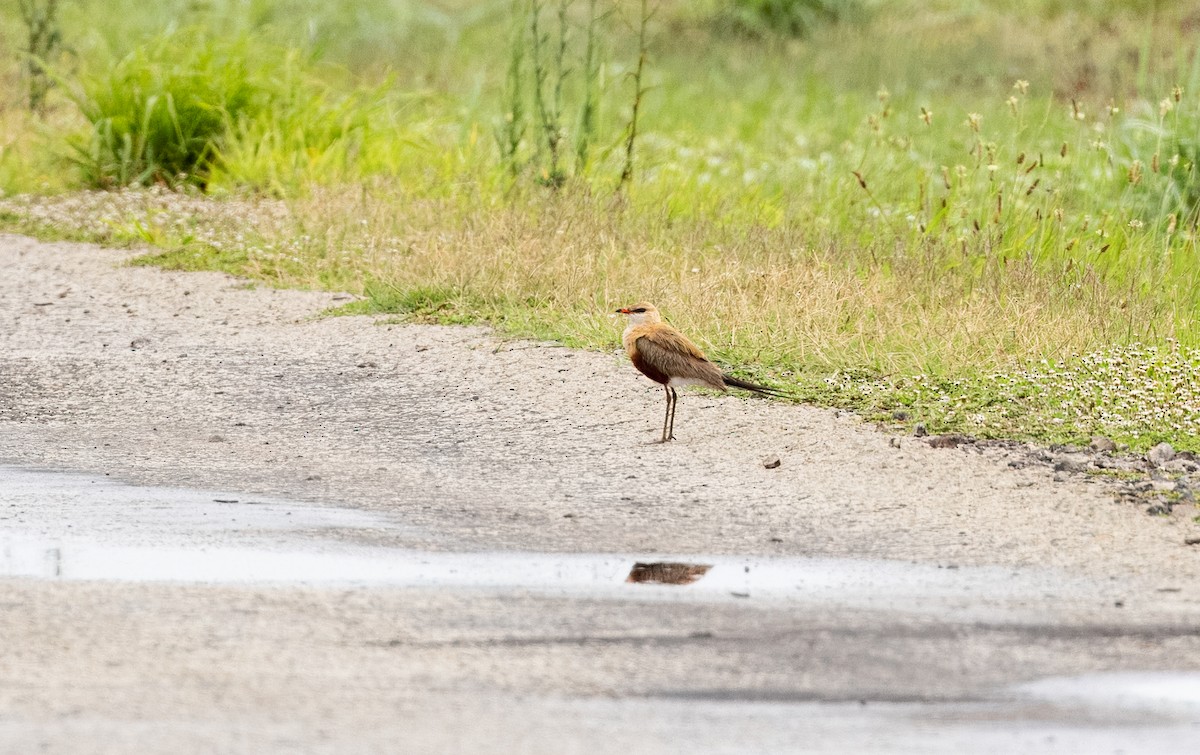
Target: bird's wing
<point x="668" y="352"/>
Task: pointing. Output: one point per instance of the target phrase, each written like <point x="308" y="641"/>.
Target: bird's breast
<point x="629" y="340"/>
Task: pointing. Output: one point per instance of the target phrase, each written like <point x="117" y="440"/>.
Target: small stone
<point x="900" y="415"/>
<point x="216" y="439"/>
<point x="771" y="462"/>
<point x="1181" y="465"/>
<point x="1160" y="454"/>
<point x="1109" y="462"/>
<point x="1191" y="541"/>
<point x="1060" y="477"/>
<point x="312" y="478"/>
<point x="1069" y="464"/>
<point x="919" y="431"/>
<point x="894" y="442"/>
<point x="951" y="440"/>
<point x="139" y="343"/>
<point x="1102" y="445"/>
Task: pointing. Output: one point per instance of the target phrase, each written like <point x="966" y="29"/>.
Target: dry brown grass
<point x="784" y="297"/>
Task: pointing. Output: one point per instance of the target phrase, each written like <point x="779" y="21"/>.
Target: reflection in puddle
<point x="667" y="572"/>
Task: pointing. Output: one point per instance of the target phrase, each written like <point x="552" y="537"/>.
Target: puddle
<point x="78" y="527"/>
<point x="329" y="563"/>
<point x="57" y="504"/>
<point x="1127" y="691"/>
<point x="315" y="563"/>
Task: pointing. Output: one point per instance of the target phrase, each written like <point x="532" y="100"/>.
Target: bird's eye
<point x="640" y="310"/>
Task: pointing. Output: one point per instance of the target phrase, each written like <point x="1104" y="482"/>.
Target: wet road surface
<point x="197" y="620"/>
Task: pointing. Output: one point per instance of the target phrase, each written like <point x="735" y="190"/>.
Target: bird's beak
<point x="623" y="311"/>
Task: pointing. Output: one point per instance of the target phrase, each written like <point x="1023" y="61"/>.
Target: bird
<point x="666" y="356"/>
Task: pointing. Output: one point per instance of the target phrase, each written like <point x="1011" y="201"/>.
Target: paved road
<point x="233" y="569"/>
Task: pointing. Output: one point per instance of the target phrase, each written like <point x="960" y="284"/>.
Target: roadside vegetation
<point x="980" y="216"/>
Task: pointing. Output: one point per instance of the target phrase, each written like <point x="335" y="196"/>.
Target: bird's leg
<point x="667" y="416"/>
<point x="674" y="402"/>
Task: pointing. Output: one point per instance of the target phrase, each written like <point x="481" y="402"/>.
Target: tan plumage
<point x="666" y="356"/>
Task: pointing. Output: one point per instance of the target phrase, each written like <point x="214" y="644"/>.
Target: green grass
<point x="418" y="304"/>
<point x="161" y="113"/>
<point x="196" y="260"/>
<point x="963" y="211"/>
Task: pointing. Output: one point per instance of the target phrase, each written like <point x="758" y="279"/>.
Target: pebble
<point x="1109" y="462"/>
<point x="1070" y="464"/>
<point x="771" y="462"/>
<point x="1102" y="445"/>
<point x="919" y="431"/>
<point x="1180" y="465"/>
<point x="1160" y="454"/>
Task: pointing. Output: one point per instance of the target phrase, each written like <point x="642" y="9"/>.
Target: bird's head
<point x="641" y="313"/>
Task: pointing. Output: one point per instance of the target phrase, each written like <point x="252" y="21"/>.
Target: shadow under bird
<point x="666" y="356"/>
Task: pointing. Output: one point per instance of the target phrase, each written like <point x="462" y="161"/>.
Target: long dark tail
<point x="734" y="382"/>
